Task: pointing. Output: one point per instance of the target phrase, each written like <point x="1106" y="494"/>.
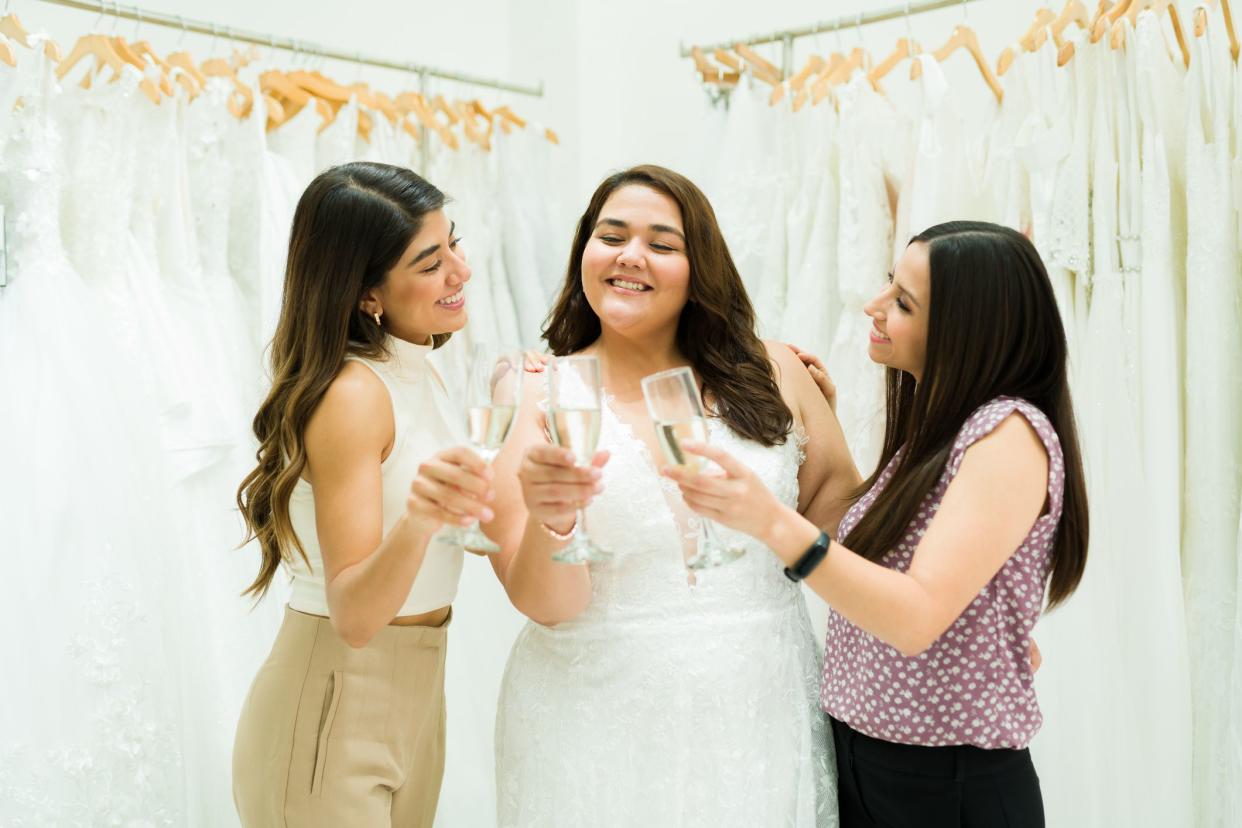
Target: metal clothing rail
<point x="289" y="44"/>
<point x="787" y="36"/>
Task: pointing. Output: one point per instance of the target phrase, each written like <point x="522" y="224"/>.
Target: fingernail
<point x="690" y="444"/>
<point x="596" y="474"/>
<point x="599" y="488"/>
<point x="488" y="514"/>
<point x="465" y="520"/>
<point x="491" y="495"/>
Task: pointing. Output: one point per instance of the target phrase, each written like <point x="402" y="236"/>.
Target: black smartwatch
<point x="810" y="559"/>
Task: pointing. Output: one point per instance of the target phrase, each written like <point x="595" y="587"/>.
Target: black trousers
<point x="887" y="785"/>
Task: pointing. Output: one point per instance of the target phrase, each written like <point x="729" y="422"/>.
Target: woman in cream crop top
<point x="424" y="423"/>
<point x="361" y="461"/>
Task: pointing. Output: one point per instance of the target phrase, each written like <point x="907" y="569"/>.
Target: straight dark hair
<point x="993" y="329"/>
<point x="350" y="228"/>
<point x="716" y="329"/>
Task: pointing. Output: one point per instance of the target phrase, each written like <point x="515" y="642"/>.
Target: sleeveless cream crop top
<point x="425" y="423"/>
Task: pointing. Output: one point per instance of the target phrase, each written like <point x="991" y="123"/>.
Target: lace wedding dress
<point x="670" y="700"/>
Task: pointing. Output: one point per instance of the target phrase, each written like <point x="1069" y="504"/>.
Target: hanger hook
<point x="137" y="21"/>
<point x="215" y="36"/>
<point x="909" y="30"/>
<point x="965" y="11"/>
<point x="837" y="32"/>
<point x="181" y="20"/>
<point x="858" y="27"/>
<point x="116" y="15"/>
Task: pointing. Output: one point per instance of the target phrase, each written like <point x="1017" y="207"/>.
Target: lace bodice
<point x="637" y="517"/>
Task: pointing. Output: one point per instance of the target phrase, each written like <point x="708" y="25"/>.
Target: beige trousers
<point x="336" y="736"/>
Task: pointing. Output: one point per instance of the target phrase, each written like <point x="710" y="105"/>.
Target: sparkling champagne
<point x="489" y="426"/>
<point x="672" y="432"/>
<point x="576" y="429"/>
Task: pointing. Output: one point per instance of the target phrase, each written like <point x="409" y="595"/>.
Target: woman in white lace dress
<point x="640" y="694"/>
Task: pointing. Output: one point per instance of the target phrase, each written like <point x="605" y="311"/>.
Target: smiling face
<point x="635" y="270"/>
<point x="424" y="293"/>
<point x="899" y="314"/>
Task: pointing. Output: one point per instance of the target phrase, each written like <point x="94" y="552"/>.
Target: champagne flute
<point x="493" y="388"/>
<point x="573" y="423"/>
<point x="675" y="408"/>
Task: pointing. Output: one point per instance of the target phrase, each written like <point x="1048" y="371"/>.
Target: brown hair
<point x="993" y="329"/>
<point x="716" y="330"/>
<point x="351" y="226"/>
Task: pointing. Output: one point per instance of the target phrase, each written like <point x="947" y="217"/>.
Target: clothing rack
<point x="292" y="45"/>
<point x="787" y="36"/>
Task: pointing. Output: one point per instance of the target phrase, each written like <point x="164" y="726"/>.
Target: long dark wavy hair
<point x="993" y="329"/>
<point x="716" y="330"/>
<point x="351" y="227"/>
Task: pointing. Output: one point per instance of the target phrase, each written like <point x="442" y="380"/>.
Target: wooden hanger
<point x="102" y="49"/>
<point x="905" y="49"/>
<point x="797" y="82"/>
<point x="320" y="87"/>
<point x="709" y="73"/>
<point x="273" y="80"/>
<point x="417" y="104"/>
<point x="1034" y="38"/>
<point x="241" y="99"/>
<point x="820" y="88"/>
<point x="729" y="61"/>
<point x="276" y="114"/>
<point x="1105" y="19"/>
<point x="439" y="104"/>
<point x="12" y="28"/>
<point x="760" y="68"/>
<point x="1201" y="21"/>
<point x="6" y="53"/>
<point x="1160" y="7"/>
<point x="508" y="115"/>
<point x="145" y="51"/>
<point x="185" y="63"/>
<point x="964" y="37"/>
<point x="139" y="59"/>
<point x="1074" y="12"/>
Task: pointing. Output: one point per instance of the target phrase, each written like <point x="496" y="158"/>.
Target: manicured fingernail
<point x="690" y="444"/>
<point x="491" y="495"/>
<point x="599" y="488"/>
<point x="596" y="474"/>
<point x="488" y="514"/>
<point x="465" y="520"/>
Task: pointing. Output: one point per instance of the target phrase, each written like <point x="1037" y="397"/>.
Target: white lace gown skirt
<point x="703" y="721"/>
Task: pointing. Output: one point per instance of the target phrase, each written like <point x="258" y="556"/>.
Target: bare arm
<point x="828" y="478"/>
<point x="987" y="511"/>
<point x="536" y="482"/>
<point x="368" y="576"/>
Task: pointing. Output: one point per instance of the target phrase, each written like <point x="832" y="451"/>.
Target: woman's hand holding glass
<point x="554" y="487"/>
<point x="737" y="498"/>
<point x="452" y="488"/>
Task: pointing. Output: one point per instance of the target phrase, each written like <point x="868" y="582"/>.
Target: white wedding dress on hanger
<point x="92" y="719"/>
<point x="1213" y="401"/>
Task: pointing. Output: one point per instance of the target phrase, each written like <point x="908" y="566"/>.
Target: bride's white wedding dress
<point x="670" y="700"/>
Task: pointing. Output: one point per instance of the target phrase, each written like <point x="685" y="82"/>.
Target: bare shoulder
<point x="784" y="358"/>
<point x="795" y="381"/>
<point x="356" y="409"/>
